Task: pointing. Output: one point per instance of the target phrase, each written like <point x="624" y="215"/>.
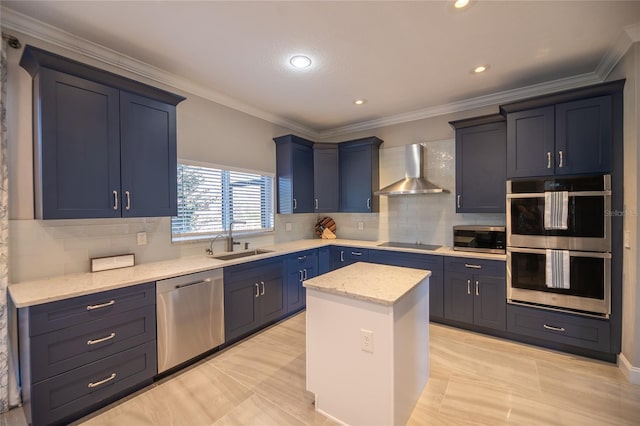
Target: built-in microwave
<point x="585" y="286"/>
<point x="581" y="209"/>
<point x="479" y="238"/>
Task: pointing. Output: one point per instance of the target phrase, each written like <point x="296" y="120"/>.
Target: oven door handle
<point x="572" y="253"/>
<point x="571" y="194"/>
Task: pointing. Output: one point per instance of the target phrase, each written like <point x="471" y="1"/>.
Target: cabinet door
<point x="294" y="170"/>
<point x="300" y="266"/>
<point x="583" y="136"/>
<point x="324" y="260"/>
<point x="77" y="148"/>
<point x="458" y="299"/>
<point x="272" y="295"/>
<point x="481" y="163"/>
<point x="530" y="143"/>
<point x="490" y="304"/>
<point x="325" y="178"/>
<point x="149" y="163"/>
<point x="241" y="306"/>
<point x="356" y="193"/>
<point x="302" y="179"/>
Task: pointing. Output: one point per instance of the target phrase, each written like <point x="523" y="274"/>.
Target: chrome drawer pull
<point x="102" y="305"/>
<point x="102" y="382"/>
<point x="301" y="258"/>
<point x="356" y="253"/>
<point x="469" y="265"/>
<point x="550" y="327"/>
<point x="103" y="339"/>
<point x="341" y="255"/>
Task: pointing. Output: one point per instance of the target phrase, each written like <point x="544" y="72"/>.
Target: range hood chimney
<point x="414" y="182"/>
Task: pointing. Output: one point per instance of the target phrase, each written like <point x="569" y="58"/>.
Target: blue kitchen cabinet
<point x="79" y="354"/>
<point x="359" y="162"/>
<point x="343" y="256"/>
<point x="326" y="178"/>
<point x="563" y="138"/>
<point x="481" y="162"/>
<point x="104" y="145"/>
<point x="300" y="266"/>
<point x="418" y="261"/>
<point x="254" y="295"/>
<point x="475" y="292"/>
<point x="294" y="174"/>
<point x="324" y="260"/>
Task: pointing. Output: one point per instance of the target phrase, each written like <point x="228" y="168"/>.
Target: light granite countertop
<point x="381" y="284"/>
<point x="29" y="293"/>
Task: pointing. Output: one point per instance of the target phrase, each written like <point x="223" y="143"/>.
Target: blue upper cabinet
<point x="325" y="177"/>
<point x="568" y="133"/>
<point x="104" y="145"/>
<point x="358" y="167"/>
<point x="481" y="161"/>
<point x="294" y="174"/>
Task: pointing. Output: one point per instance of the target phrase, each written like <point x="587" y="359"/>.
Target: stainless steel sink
<point x="240" y="254"/>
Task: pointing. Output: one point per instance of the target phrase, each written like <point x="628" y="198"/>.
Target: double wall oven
<point x="559" y="243"/>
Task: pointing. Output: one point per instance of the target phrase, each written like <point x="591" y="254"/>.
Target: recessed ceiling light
<point x="359" y="101"/>
<point x="300" y="61"/>
<point x="480" y="68"/>
<point x="459" y="4"/>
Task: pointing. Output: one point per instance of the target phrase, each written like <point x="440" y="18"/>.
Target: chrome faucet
<point x="210" y="249"/>
<point x="230" y="242"/>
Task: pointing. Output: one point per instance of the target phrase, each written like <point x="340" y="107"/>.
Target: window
<point x="210" y="197"/>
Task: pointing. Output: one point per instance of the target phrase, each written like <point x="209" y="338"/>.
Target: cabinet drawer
<point x="355" y="254"/>
<point x="77" y="390"/>
<point x="574" y="330"/>
<point x="63" y="350"/>
<point x="303" y="259"/>
<point x="78" y="310"/>
<point x="494" y="268"/>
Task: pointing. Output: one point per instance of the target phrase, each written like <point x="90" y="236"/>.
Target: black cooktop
<point x="410" y="245"/>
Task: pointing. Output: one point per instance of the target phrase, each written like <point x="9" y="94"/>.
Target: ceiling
<point x="407" y="59"/>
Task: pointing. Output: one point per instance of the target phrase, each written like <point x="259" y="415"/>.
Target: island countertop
<point x="381" y="284"/>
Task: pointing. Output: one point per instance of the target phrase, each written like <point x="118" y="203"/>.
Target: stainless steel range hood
<point x="414" y="182"/>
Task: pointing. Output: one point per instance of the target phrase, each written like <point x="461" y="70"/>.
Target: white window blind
<point x="209" y="198"/>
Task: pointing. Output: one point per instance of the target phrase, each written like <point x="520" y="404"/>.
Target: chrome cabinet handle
<point x="468" y="286"/>
<point x="477" y="288"/>
<point x="548" y="160"/>
<point x="341" y="255"/>
<point x="458" y="201"/>
<point x="128" y="206"/>
<point x="356" y="253"/>
<point x="470" y="265"/>
<point x="295" y="204"/>
<point x="115" y="200"/>
<point x="101" y="305"/>
<point x="316" y="204"/>
<point x="550" y="327"/>
<point x="561" y="159"/>
<point x="305" y="273"/>
<point x="301" y="258"/>
<point x="102" y="339"/>
<point x="102" y="382"/>
<point x="369" y="203"/>
<point x="257" y="290"/>
<point x="262" y="292"/>
<point x="301" y="276"/>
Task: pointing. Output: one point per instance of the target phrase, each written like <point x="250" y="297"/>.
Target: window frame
<point x="267" y="204"/>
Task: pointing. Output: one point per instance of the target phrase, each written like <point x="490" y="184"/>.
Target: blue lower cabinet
<point x="254" y="295"/>
<point x="300" y="266"/>
<point x="324" y="260"/>
<point x="475" y="292"/>
<point x="418" y="261"/>
<point x="79" y="354"/>
<point x="343" y="256"/>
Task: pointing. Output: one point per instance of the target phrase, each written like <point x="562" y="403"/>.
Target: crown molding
<point x="47" y="33"/>
<point x="39" y="30"/>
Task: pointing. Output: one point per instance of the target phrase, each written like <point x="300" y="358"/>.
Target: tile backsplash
<point x="40" y="249"/>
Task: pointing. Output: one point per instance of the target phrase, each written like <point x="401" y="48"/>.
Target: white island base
<point x="352" y="385"/>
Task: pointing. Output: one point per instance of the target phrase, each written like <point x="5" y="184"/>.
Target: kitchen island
<point x="368" y="342"/>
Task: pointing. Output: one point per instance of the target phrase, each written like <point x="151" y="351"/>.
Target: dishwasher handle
<point x="206" y="280"/>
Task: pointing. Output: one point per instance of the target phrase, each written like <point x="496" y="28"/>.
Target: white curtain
<point x="9" y="391"/>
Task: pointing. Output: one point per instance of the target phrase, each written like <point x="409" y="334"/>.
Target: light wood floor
<point x="474" y="380"/>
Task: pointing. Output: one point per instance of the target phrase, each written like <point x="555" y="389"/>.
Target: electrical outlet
<point x="361" y="226"/>
<point x="366" y="340"/>
<point x="287" y="227"/>
<point x="142" y="238"/>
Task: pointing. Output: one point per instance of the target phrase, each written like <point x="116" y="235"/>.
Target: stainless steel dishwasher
<point x="190" y="318"/>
